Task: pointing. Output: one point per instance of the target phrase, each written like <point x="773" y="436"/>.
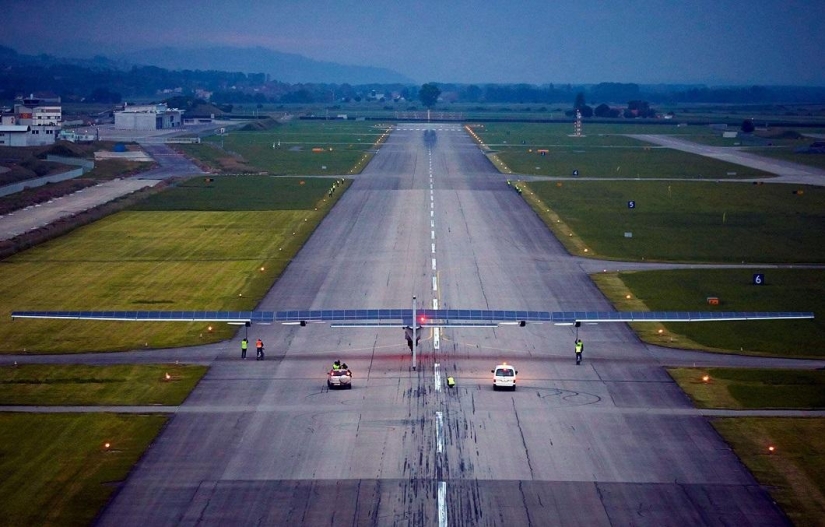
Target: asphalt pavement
<point x="611" y="442"/>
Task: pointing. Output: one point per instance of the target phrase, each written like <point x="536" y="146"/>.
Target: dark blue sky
<point x="546" y="41"/>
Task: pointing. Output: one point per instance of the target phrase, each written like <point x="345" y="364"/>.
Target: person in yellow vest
<point x="259" y="347"/>
<point x="244" y="345"/>
<point x="579" y="350"/>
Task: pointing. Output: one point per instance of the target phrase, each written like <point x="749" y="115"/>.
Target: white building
<point x="148" y="117"/>
<point x="31" y="124"/>
<point x="15" y="135"/>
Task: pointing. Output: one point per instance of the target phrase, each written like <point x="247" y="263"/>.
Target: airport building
<point x="148" y="117"/>
<point x="31" y="123"/>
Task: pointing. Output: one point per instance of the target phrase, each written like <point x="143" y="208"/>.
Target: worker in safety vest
<point x="579" y="350"/>
<point x="244" y="345"/>
<point x="259" y="347"/>
<point x="336" y="365"/>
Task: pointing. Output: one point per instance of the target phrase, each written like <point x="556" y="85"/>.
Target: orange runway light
<point x="771" y="449"/>
<point x="705" y="378"/>
<point x="627" y="297"/>
<point x="262" y="269"/>
<point x="106" y="446"/>
<point x="209" y="329"/>
<point x="168" y="377"/>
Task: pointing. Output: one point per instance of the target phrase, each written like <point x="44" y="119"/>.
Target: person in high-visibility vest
<point x="259" y="347"/>
<point x="579" y="350"/>
<point x="244" y="345"/>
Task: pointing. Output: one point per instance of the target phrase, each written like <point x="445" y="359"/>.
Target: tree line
<point x="101" y="80"/>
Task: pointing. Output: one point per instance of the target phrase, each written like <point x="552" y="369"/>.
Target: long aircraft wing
<point x="404" y="317"/>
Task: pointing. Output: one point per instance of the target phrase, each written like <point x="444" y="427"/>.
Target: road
<point x="611" y="442"/>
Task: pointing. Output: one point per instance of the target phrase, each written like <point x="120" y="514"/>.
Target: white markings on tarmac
<point x="442" y="504"/>
<point x="439" y="416"/>
<point x="439" y="431"/>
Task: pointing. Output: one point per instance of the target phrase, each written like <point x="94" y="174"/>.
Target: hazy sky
<point x="537" y="42"/>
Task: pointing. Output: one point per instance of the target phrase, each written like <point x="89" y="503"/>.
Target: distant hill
<point x="284" y="67"/>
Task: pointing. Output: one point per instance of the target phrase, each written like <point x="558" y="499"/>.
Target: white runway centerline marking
<point x="439" y="432"/>
<point x="433" y="264"/>
<point x="437" y="377"/>
<point x="436" y="337"/>
<point x="435" y="283"/>
<point x="433" y="248"/>
<point x="442" y="504"/>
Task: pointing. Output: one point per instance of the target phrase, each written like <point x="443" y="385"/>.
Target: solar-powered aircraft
<point x="414" y="320"/>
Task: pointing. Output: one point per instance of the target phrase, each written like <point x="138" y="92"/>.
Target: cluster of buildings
<point x="38" y="121"/>
<point x="32" y="122"/>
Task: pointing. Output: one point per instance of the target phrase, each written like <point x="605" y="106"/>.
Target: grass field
<point x="687" y="290"/>
<point x="795" y="472"/>
<point x="55" y="468"/>
<point x="78" y="385"/>
<point x="153" y="259"/>
<point x="739" y="389"/>
<point x="240" y="193"/>
<point x="294" y="148"/>
<point x="686" y="221"/>
<point x="604" y="152"/>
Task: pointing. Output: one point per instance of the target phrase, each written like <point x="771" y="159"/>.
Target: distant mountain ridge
<point x="284" y="67"/>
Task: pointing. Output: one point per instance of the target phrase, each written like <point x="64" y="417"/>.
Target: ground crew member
<point x="336" y="365"/>
<point x="244" y="345"/>
<point x="259" y="346"/>
<point x="579" y="350"/>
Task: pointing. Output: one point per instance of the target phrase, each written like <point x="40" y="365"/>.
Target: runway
<point x="611" y="442"/>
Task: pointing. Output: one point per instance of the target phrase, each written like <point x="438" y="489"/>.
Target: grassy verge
<point x="294" y="148"/>
<point x="542" y="149"/>
<point x="688" y="221"/>
<point x="752" y="388"/>
<point x="56" y="469"/>
<point x="688" y="290"/>
<point x="795" y="472"/>
<point x="77" y="385"/>
<point x="155" y="259"/>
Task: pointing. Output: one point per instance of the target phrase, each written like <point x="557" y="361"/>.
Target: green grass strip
<point x="79" y="385"/>
<point x="603" y="152"/>
<point x="152" y="260"/>
<point x="739" y="389"/>
<point x="689" y="221"/>
<point x="795" y="472"/>
<point x="55" y="468"/>
<point x="688" y="290"/>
